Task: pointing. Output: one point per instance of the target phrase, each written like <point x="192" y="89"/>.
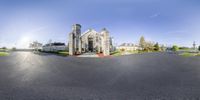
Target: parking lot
<point x="149" y="76"/>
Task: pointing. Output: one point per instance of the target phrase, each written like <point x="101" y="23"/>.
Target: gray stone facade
<point x="89" y="41"/>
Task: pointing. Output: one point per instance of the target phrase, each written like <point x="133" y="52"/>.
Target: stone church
<point x="89" y="41"/>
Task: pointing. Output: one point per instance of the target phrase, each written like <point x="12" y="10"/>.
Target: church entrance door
<point x="90" y="44"/>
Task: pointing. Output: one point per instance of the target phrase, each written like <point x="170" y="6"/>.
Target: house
<point x="54" y="47"/>
<point x="128" y="47"/>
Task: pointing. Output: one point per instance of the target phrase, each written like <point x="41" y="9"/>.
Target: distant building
<point x="53" y="47"/>
<point x="128" y="47"/>
<point x="89" y="41"/>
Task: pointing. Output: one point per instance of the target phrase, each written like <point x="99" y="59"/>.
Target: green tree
<point x="156" y="47"/>
<point x="175" y="48"/>
<point x="4" y="48"/>
<point x="199" y="48"/>
<point x="142" y="42"/>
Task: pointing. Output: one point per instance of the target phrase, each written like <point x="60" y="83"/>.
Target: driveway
<point x="151" y="76"/>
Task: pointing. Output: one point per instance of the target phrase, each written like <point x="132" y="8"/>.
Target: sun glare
<point x="24" y="42"/>
<point x="25" y="39"/>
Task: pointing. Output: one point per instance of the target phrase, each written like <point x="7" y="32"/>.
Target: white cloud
<point x="154" y="15"/>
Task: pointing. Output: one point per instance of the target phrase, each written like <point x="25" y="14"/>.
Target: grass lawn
<point x="116" y="53"/>
<point x="63" y="53"/>
<point x="188" y="54"/>
<point x="4" y="54"/>
<point x="119" y="53"/>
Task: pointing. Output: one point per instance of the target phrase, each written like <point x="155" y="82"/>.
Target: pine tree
<point x="156" y="47"/>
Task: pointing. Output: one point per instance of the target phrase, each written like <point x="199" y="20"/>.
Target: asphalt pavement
<point x="150" y="76"/>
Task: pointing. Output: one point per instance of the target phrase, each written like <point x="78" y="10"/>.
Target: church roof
<point x="87" y="31"/>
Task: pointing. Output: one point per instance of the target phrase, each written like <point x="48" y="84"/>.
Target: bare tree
<point x="35" y="45"/>
<point x="142" y="42"/>
<point x="149" y="46"/>
<point x="162" y="48"/>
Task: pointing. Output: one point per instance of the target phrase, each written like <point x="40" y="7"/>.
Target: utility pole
<point x="50" y="44"/>
<point x="194" y="45"/>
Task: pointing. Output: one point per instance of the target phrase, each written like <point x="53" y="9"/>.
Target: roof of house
<point x="55" y="44"/>
<point x="127" y="44"/>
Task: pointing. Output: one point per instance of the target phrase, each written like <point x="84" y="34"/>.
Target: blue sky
<point x="165" y="21"/>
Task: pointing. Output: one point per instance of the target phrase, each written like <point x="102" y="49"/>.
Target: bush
<point x="198" y="54"/>
<point x="14" y="49"/>
<point x="4" y="48"/>
<point x="184" y="48"/>
<point x="122" y="50"/>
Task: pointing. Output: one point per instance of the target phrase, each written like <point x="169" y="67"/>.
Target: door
<point x="90" y="44"/>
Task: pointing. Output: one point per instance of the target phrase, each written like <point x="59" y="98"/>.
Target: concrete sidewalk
<point x="91" y="54"/>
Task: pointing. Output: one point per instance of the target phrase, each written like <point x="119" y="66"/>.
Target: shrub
<point x="122" y="50"/>
<point x="14" y="48"/>
<point x="175" y="48"/>
<point x="4" y="48"/>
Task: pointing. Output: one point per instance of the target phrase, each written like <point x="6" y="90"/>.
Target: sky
<point x="167" y="22"/>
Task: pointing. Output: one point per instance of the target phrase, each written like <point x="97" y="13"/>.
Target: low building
<point x="128" y="47"/>
<point x="54" y="47"/>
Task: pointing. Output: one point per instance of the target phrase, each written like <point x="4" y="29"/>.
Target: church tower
<point x="74" y="40"/>
<point x="76" y="28"/>
<point x="106" y="42"/>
